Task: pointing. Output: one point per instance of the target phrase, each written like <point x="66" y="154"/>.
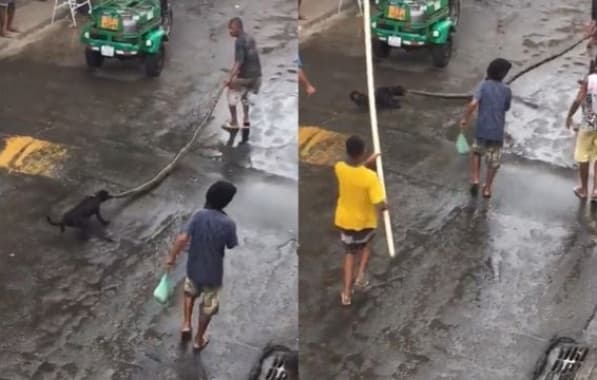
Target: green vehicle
<point x="126" y="29"/>
<point x="413" y="24"/>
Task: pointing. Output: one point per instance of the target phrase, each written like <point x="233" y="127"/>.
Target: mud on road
<point x="73" y="310"/>
<point x="478" y="288"/>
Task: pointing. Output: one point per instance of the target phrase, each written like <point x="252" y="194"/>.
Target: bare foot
<point x="13" y="30"/>
<point x="6" y="35"/>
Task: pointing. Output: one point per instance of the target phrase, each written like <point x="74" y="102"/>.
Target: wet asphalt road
<point x="477" y="288"/>
<point x="72" y="310"/>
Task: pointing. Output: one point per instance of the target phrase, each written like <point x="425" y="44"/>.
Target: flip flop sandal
<point x="346" y="301"/>
<point x="578" y="193"/>
<point x="186" y="335"/>
<point x="198" y="348"/>
<point x="474" y="189"/>
<point x="361" y="283"/>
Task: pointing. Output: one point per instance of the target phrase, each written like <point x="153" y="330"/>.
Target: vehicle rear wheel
<point x="455" y="12"/>
<point x="154" y="63"/>
<point x="441" y="53"/>
<point x="381" y="49"/>
<point x="93" y="58"/>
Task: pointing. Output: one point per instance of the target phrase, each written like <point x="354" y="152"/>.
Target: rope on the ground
<point x="159" y="177"/>
<point x="526" y="70"/>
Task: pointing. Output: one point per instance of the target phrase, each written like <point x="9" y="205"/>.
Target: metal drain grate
<point x="277" y="371"/>
<point x="568" y="362"/>
<point x="276" y="363"/>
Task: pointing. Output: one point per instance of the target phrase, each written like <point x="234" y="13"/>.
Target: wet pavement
<point x="85" y="310"/>
<point x="478" y="288"/>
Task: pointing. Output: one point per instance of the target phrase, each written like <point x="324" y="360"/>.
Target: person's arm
<point x="376" y="195"/>
<point x="232" y="240"/>
<point x="471" y="107"/>
<point x="371" y="161"/>
<point x="581" y="94"/>
<point x="239" y="59"/>
<point x="306" y="83"/>
<point x="508" y="100"/>
<point x="179" y="244"/>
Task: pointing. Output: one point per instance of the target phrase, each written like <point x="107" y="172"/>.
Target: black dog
<point x="385" y="97"/>
<point x="78" y="216"/>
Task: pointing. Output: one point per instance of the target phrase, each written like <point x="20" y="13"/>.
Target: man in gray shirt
<point x="245" y="76"/>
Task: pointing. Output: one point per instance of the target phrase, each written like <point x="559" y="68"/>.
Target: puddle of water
<point x="540" y="134"/>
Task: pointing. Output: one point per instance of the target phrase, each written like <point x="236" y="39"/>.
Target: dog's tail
<point x="53" y="222"/>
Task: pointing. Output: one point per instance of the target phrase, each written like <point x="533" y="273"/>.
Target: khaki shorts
<point x="586" y="146"/>
<point x="239" y="90"/>
<point x="210" y="302"/>
<point x="491" y="152"/>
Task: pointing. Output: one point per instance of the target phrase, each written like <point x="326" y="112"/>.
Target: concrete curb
<point x="319" y="23"/>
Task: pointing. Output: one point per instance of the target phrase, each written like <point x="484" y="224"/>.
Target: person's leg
<point x="233" y="98"/>
<point x="583" y="174"/>
<point x="187" y="312"/>
<point x="494" y="156"/>
<point x="11" y="15"/>
<point x="3" y="21"/>
<point x="581" y="156"/>
<point x="189" y="297"/>
<point x="594" y="194"/>
<point x="476" y="153"/>
<point x="246" y="121"/>
<point x="209" y="307"/>
<point x="361" y="280"/>
<point x="348" y="275"/>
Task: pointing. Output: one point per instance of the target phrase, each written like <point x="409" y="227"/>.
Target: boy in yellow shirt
<point x="360" y="198"/>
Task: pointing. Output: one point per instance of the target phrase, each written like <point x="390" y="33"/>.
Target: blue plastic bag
<point x="462" y="145"/>
<point x="164" y="290"/>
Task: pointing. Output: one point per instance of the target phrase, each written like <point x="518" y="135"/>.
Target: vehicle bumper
<point x="383" y="29"/>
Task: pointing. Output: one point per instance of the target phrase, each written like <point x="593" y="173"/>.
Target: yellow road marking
<point x="318" y="146"/>
<point x="27" y="155"/>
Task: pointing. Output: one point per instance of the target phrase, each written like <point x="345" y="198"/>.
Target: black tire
<point x="167" y="24"/>
<point x="381" y="49"/>
<point x="441" y="54"/>
<point x="455" y="11"/>
<point x="93" y="58"/>
<point x="154" y="63"/>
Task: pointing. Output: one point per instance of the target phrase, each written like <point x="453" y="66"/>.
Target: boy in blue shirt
<point x="492" y="99"/>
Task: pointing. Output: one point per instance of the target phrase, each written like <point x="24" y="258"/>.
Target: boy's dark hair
<point x="498" y="69"/>
<point x="355" y="146"/>
<point x="219" y="195"/>
<point x="237" y="21"/>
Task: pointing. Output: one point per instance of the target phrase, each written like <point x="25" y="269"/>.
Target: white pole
<point x="373" y="116"/>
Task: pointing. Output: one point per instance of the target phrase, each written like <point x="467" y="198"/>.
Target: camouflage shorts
<point x="240" y="88"/>
<point x="490" y="151"/>
<point x="210" y="297"/>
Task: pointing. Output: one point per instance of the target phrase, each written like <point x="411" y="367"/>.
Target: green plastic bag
<point x="164" y="290"/>
<point x="462" y="145"/>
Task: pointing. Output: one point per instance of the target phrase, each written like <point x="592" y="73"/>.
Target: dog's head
<point x="103" y="195"/>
